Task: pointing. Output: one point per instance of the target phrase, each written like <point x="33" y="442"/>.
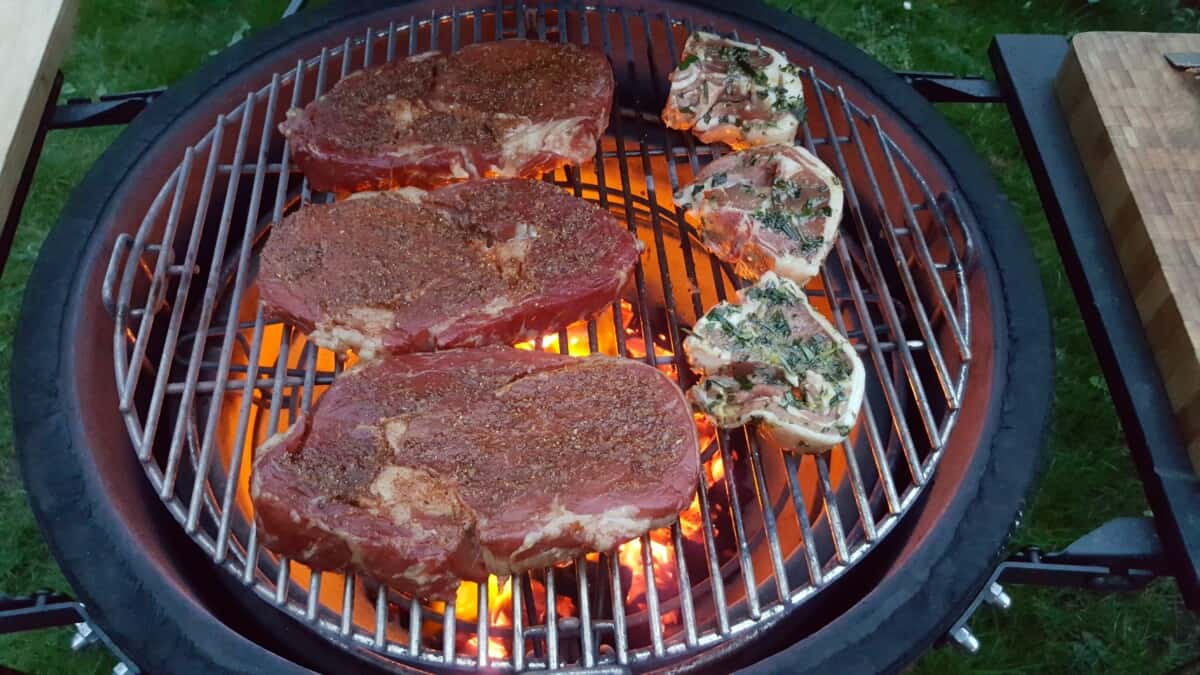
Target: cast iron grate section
<point x="203" y="378"/>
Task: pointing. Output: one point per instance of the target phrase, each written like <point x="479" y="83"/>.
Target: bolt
<point x="965" y="639"/>
<point x="997" y="597"/>
<point x="121" y="669"/>
<point x="84" y="636"/>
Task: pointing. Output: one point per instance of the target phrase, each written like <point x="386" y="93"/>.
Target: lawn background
<point x="122" y="45"/>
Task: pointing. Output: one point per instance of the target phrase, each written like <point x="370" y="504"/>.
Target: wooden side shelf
<point x="1136" y="123"/>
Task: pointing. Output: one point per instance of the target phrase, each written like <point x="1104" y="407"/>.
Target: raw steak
<point x="510" y="108"/>
<point x="774" y="359"/>
<point x="776" y="207"/>
<point x="476" y="263"/>
<point x="733" y="92"/>
<point x="422" y="470"/>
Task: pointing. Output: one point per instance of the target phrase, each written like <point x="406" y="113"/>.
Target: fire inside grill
<point x="768" y="529"/>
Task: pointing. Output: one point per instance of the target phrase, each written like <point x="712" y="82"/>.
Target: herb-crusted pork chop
<point x="475" y="263"/>
<point x="508" y="108"/>
<point x="735" y="93"/>
<point x="421" y="470"/>
<point x="772" y="358"/>
<point x="775" y="207"/>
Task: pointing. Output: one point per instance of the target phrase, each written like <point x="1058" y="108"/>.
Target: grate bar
<point x="313" y="601"/>
<point x="482" y="616"/>
<point x="831" y="508"/>
<point x="239" y="442"/>
<point x="792" y="462"/>
<point x="618" y="604"/>
<point x="381" y="617"/>
<point x="586" y="636"/>
<point x="414" y="627"/>
<point x="862" y="499"/>
<point x="214" y="410"/>
<point x="449" y="629"/>
<point x="518" y="618"/>
<point x="739" y="528"/>
<point x="772" y="532"/>
<point x="347" y="604"/>
<point x="163" y="258"/>
<point x="175" y="451"/>
<point x="551" y="617"/>
<point x="889" y="390"/>
<point x="906" y="275"/>
<point x="183" y="286"/>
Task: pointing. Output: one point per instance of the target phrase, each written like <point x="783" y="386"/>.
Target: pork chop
<point x="772" y="358"/>
<point x="421" y="470"/>
<point x="509" y="108"/>
<point x="476" y="263"/>
<point x="775" y="207"/>
<point x="734" y="92"/>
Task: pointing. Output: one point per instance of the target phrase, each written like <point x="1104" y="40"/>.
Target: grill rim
<point x="50" y="436"/>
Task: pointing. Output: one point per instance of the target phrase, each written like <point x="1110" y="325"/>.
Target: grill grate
<point x="203" y="378"/>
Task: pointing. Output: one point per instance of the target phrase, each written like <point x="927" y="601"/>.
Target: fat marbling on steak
<point x="734" y="92"/>
<point x="421" y="470"/>
<point x="475" y="263"/>
<point x="509" y="108"/>
<point x="772" y="358"/>
<point x="774" y="207"/>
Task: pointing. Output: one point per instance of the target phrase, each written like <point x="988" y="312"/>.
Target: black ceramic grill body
<point x="160" y="596"/>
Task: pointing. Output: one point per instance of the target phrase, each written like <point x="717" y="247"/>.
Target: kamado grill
<point x="138" y="466"/>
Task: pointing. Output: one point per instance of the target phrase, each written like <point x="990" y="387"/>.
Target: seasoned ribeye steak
<point x="775" y="207"/>
<point x="475" y="263"/>
<point x="775" y="359"/>
<point x="422" y="470"/>
<point x="734" y="92"/>
<point x="509" y="108"/>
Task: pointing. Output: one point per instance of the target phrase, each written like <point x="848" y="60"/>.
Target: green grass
<point x="123" y="44"/>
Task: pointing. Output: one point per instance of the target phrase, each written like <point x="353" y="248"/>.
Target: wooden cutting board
<point x="1136" y="123"/>
<point x="35" y="35"/>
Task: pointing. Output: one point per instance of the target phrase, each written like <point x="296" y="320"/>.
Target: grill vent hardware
<point x="203" y="377"/>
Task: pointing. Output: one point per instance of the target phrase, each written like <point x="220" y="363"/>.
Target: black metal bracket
<point x="107" y="110"/>
<point x="1123" y="554"/>
<point x="949" y="88"/>
<point x="47" y="609"/>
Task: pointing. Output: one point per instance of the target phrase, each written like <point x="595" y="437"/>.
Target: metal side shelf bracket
<point x="47" y="609"/>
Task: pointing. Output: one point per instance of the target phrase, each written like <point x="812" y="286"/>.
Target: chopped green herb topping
<point x="687" y="62"/>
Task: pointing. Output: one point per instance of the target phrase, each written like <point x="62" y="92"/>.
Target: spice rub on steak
<point x="475" y="263"/>
<point x="775" y="207"/>
<point x="508" y="108"/>
<point x="774" y="359"/>
<point x="421" y="470"/>
<point x="734" y="92"/>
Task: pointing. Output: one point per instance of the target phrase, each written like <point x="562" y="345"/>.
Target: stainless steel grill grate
<point x="203" y="378"/>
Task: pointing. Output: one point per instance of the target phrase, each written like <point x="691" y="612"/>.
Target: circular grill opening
<point x="205" y="380"/>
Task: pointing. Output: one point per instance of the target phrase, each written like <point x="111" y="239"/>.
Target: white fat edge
<point x="339" y="338"/>
<point x="497" y="306"/>
<point x="606" y="530"/>
<point x="528" y="139"/>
